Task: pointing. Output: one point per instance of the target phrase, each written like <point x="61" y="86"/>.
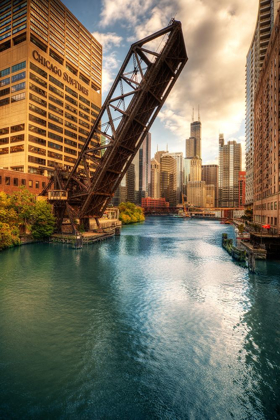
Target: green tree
<point x="43" y="221"/>
<point x="23" y="203"/>
<point x="9" y="236"/>
<point x="130" y="213"/>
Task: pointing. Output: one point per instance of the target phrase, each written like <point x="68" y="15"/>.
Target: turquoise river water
<point x="159" y="323"/>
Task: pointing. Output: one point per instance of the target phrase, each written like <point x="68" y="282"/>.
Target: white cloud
<point x="217" y="37"/>
<point x="110" y="66"/>
<point x="108" y="40"/>
<point x="125" y="10"/>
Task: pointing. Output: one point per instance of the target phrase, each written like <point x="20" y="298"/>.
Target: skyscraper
<point x="210" y="174"/>
<point x="155" y="179"/>
<point x="193" y="143"/>
<point x="229" y="167"/>
<point x="254" y="61"/>
<point x="266" y="139"/>
<point x="50" y="85"/>
<point x="179" y="174"/>
<point x="168" y="181"/>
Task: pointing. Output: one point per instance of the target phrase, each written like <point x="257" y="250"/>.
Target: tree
<point x="9" y="236"/>
<point x="43" y="221"/>
<point x="130" y="213"/>
<point x="23" y="203"/>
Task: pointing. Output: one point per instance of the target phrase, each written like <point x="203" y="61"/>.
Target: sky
<point x="217" y="34"/>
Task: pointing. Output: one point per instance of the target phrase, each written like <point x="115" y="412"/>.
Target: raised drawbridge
<point x="142" y="85"/>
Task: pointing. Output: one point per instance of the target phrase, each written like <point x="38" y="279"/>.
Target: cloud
<point x="217" y="37"/>
<point x="108" y="40"/>
<point x="125" y="10"/>
<point x="110" y="64"/>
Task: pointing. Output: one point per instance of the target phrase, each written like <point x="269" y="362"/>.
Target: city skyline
<point x="214" y="77"/>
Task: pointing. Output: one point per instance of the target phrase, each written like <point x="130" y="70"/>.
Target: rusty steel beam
<point x="142" y="85"/>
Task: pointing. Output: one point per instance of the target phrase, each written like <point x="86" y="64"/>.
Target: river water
<point x="159" y="323"/>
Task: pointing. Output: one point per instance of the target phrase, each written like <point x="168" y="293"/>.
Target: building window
<point x="56" y="91"/>
<point x="36" y="184"/>
<point x="23" y="182"/>
<point x="56" y="109"/>
<point x="37" y="110"/>
<point x="56" y="100"/>
<point x="56" y="82"/>
<point x="38" y="80"/>
<point x="55" y="118"/>
<point x="4" y="102"/>
<point x="4" y="131"/>
<point x="0" y="179"/>
<point x="55" y="155"/>
<point x="7" y="180"/>
<point x="5" y="82"/>
<point x="5" y="91"/>
<point x="38" y="43"/>
<point x="15" y="128"/>
<point x="37" y="99"/>
<point x="37" y="140"/>
<point x="5" y="72"/>
<point x="38" y="70"/>
<point x="70" y="134"/>
<point x="84" y="100"/>
<point x="15" y="182"/>
<point x="37" y="120"/>
<point x="30" y="183"/>
<point x="19" y="137"/>
<point x="18" y="87"/>
<point x="39" y="161"/>
<point x="5" y="140"/>
<point x="70" y="68"/>
<point x="18" y="97"/>
<point x="19" y="66"/>
<point x="38" y="90"/>
<point x="56" y="57"/>
<point x="55" y="137"/>
<point x="36" y="150"/>
<point x="55" y="127"/>
<point x="18" y="77"/>
<point x="71" y="91"/>
<point x="37" y="130"/>
<point x="55" y="146"/>
<point x="16" y="149"/>
<point x="4" y="151"/>
<point x="43" y="184"/>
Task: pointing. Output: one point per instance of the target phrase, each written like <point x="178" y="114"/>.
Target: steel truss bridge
<point x="146" y="77"/>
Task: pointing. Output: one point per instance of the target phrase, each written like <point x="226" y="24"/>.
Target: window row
<point x="7" y="180"/>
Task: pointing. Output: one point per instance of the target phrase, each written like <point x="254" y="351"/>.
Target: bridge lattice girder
<point x="135" y="99"/>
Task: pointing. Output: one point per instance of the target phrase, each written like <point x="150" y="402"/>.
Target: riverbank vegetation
<point x="21" y="214"/>
<point x="130" y="213"/>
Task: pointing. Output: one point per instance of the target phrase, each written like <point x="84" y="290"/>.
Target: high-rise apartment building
<point x="266" y="139"/>
<point x="178" y="156"/>
<point x="254" y="62"/>
<point x="241" y="189"/>
<point x="155" y="179"/>
<point x="210" y="174"/>
<point x="168" y="181"/>
<point x="137" y="179"/>
<point x="230" y="155"/>
<point x="50" y="85"/>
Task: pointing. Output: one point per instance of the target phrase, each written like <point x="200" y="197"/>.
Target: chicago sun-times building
<point x="50" y="85"/>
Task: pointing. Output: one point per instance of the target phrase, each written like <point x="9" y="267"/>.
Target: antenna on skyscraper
<point x="198" y="114"/>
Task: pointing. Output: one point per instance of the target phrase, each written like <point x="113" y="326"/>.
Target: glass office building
<point x="50" y="85"/>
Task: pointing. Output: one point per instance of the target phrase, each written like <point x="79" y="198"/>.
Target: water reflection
<point x="156" y="324"/>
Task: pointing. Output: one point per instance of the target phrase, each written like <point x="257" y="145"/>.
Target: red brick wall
<point x="11" y="180"/>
